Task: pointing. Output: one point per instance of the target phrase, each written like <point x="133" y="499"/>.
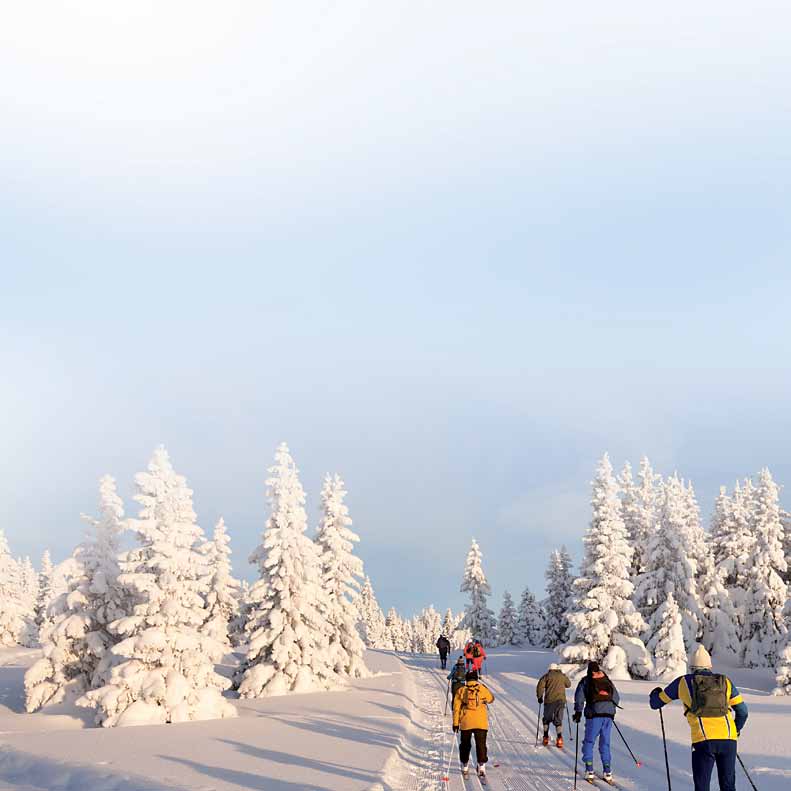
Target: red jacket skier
<point x="474" y="655"/>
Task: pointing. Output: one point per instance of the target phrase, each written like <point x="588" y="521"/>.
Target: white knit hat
<point x="700" y="659"/>
<point x="554" y="666"/>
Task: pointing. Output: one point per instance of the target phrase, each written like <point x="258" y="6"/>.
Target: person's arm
<point x="567" y="681"/>
<point x="457" y="709"/>
<point x="740" y="712"/>
<point x="488" y="696"/>
<point x="579" y="696"/>
<point x="661" y="697"/>
<point x="540" y="687"/>
<point x="616" y="696"/>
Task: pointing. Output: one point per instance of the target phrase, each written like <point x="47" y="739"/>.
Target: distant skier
<point x="472" y="719"/>
<point x="551" y="691"/>
<point x="597" y="697"/>
<point x="457" y="677"/>
<point x="443" y="646"/>
<point x="708" y="699"/>
<point x="474" y="654"/>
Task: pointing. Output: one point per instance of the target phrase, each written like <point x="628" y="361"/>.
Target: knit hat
<point x="700" y="659"/>
<point x="593" y="667"/>
<point x="554" y="666"/>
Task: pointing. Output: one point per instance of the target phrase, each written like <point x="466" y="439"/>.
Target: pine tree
<point x="371" y="618"/>
<point x="393" y="631"/>
<point x="765" y="627"/>
<point x="162" y="668"/>
<point x="75" y="636"/>
<point x="670" y="563"/>
<point x="449" y="625"/>
<point x="785" y="520"/>
<point x="478" y="618"/>
<point x="667" y="643"/>
<point x="341" y="572"/>
<point x="560" y="595"/>
<point x="29" y="599"/>
<point x="16" y="627"/>
<point x="531" y="621"/>
<point x="506" y="623"/>
<point x="287" y="632"/>
<point x="44" y="588"/>
<point x="783" y="668"/>
<point x="603" y="609"/>
<point x="222" y="599"/>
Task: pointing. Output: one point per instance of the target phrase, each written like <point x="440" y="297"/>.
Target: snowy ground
<point x="388" y="733"/>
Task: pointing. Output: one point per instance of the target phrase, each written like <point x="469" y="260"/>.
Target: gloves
<point x="540" y="701"/>
<point x="577" y="716"/>
<point x="656" y="690"/>
<point x="455" y="728"/>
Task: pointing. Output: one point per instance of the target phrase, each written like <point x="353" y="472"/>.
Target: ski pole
<point x="746" y="772"/>
<point x="538" y="723"/>
<point x="446" y="776"/>
<point x="637" y="763"/>
<point x="664" y="744"/>
<point x="447" y="695"/>
<point x="576" y="756"/>
<point x="568" y="714"/>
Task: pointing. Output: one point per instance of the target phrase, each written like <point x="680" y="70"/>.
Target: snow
<point x="384" y="732"/>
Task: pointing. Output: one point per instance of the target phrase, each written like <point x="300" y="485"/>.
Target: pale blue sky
<point x="451" y="252"/>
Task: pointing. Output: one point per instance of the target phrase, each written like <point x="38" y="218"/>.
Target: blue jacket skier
<point x="708" y="700"/>
<point x="596" y="697"/>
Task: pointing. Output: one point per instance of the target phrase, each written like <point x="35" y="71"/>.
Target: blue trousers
<point x="601" y="728"/>
<point x="705" y="755"/>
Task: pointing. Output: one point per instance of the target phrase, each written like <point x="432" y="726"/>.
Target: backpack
<point x="472" y="699"/>
<point x="599" y="690"/>
<point x="476" y="650"/>
<point x="709" y="695"/>
<point x="459" y="674"/>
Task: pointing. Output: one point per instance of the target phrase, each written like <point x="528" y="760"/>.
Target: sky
<point x="451" y="252"/>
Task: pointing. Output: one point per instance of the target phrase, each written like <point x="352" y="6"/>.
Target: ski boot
<point x="545" y="740"/>
<point x="589" y="774"/>
<point x="607" y="776"/>
<point x="465" y="770"/>
<point x="559" y="742"/>
<point x="482" y="774"/>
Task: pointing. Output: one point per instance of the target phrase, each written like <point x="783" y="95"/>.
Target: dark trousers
<point x="705" y="755"/>
<point x="443" y="658"/>
<point x="553" y="714"/>
<point x="465" y="746"/>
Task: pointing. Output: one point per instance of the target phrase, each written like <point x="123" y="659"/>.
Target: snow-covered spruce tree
<point x="449" y="624"/>
<point x="44" y="592"/>
<point x="531" y="621"/>
<point x="670" y="565"/>
<point x="427" y="628"/>
<point x="371" y="619"/>
<point x="602" y="611"/>
<point x="783" y="668"/>
<point x="765" y="627"/>
<point x="75" y="635"/>
<point x="560" y="595"/>
<point x="393" y="632"/>
<point x="785" y="520"/>
<point x="288" y="636"/>
<point x="29" y="601"/>
<point x="667" y="642"/>
<point x="506" y="623"/>
<point x="478" y="618"/>
<point x="162" y="667"/>
<point x="15" y="624"/>
<point x="236" y="628"/>
<point x="341" y="572"/>
<point x="222" y="598"/>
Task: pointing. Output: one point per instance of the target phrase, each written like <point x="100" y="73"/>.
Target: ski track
<point x="522" y="766"/>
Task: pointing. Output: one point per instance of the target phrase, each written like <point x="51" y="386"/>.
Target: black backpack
<point x="599" y="690"/>
<point x="709" y="695"/>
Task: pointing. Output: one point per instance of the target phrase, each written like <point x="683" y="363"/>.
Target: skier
<point x="597" y="697"/>
<point x="551" y="691"/>
<point x="708" y="699"/>
<point x="457" y="677"/>
<point x="474" y="654"/>
<point x="471" y="718"/>
<point x="443" y="646"/>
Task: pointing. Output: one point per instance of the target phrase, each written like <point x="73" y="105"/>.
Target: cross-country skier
<point x="471" y="718"/>
<point x="457" y="677"/>
<point x="443" y="646"/>
<point x="597" y="697"/>
<point x="551" y="691"/>
<point x="708" y="699"/>
<point x="474" y="654"/>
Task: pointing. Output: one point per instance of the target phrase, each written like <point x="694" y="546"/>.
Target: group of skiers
<point x="713" y="707"/>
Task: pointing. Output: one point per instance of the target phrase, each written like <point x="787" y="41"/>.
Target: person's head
<point x="472" y="676"/>
<point x="700" y="659"/>
<point x="460" y="660"/>
<point x="554" y="666"/>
